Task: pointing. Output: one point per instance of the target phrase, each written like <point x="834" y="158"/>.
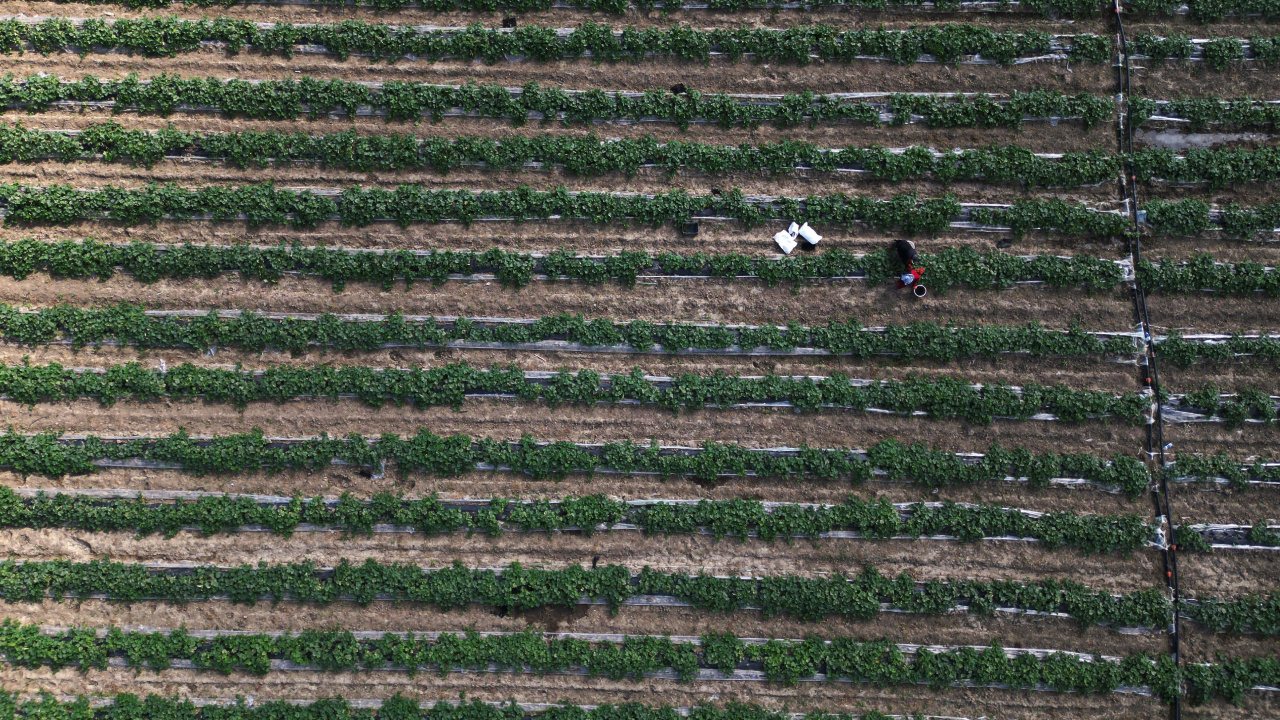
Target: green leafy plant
<point x="309" y="97"/>
<point x="169" y="36"/>
<point x="942" y="397"/>
<point x="45" y="454"/>
<point x="740" y="518"/>
<point x="130" y="325"/>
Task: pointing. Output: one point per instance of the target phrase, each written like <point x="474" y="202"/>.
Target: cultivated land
<point x="1171" y="555"/>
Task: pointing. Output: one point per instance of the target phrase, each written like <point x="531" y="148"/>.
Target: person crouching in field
<point x="907" y="254"/>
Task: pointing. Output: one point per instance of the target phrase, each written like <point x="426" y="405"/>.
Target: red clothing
<point x="916" y="274"/>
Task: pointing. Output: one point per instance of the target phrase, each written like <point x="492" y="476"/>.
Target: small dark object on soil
<point x="595" y="561"/>
<point x="689" y="229"/>
<point x="715" y="191"/>
<point x="678" y="89"/>
<point x="508" y="22"/>
<point x="1005" y="243"/>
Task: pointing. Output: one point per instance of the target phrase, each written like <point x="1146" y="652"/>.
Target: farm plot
<point x="423" y="359"/>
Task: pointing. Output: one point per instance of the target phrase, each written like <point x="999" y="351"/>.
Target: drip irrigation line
<point x="1155" y="429"/>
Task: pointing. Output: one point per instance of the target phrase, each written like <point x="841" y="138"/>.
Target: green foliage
<point x="1188" y="540"/>
<point x="1217" y="167"/>
<point x="1258" y="614"/>
<point x="583" y="156"/>
<point x="146" y="263"/>
<point x="306" y="96"/>
<point x="396" y="707"/>
<point x="517" y="588"/>
<point x="1247" y="403"/>
<point x="1201" y="111"/>
<point x="740" y="517"/>
<point x="1191" y="216"/>
<point x="1207" y="11"/>
<point x="787" y="661"/>
<point x="942" y="397"/>
<point x="425" y="452"/>
<point x="1203" y="273"/>
<point x="169" y="36"/>
<point x="1203" y="468"/>
<point x="130" y="325"/>
<point x="1062" y="8"/>
<point x="408" y="204"/>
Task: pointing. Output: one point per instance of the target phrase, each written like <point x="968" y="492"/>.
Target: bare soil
<point x="717" y="75"/>
<point x="1175" y="79"/>
<point x="663" y="299"/>
<point x="1228" y="573"/>
<point x="1012" y="369"/>
<point x="1039" y="136"/>
<point x="599" y="423"/>
<point x="956" y="628"/>
<point x="565" y="17"/>
<point x="579" y="236"/>
<point x="336" y="480"/>
<point x="1211" y="438"/>
<point x="985" y="560"/>
<point x="802" y="183"/>
<point x="1209" y="503"/>
<point x="829" y="697"/>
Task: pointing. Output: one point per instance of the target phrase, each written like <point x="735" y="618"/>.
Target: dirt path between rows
<point x="829" y="697"/>
<point x="1038" y="136"/>
<point x="717" y="75"/>
<point x="800" y="184"/>
<point x="954" y="629"/>
<point x="986" y="560"/>
<point x="667" y="299"/>
<point x="566" y="17"/>
<point x="599" y="423"/>
<point x="580" y="236"/>
<point x="1010" y="370"/>
<point x="335" y="480"/>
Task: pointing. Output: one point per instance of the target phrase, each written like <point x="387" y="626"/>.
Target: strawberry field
<point x="454" y="360"/>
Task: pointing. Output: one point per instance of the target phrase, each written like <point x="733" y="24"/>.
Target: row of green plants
<point x="1191" y="216"/>
<point x="1183" y="353"/>
<point x="1243" y="112"/>
<point x="584" y="156"/>
<point x="1257" y="533"/>
<point x="396" y="707"/>
<point x="1202" y="273"/>
<point x="1245" y="403"/>
<point x="786" y="661"/>
<point x="1256" y="614"/>
<point x="163" y="94"/>
<point x="130" y="325"/>
<point x="1219" y="167"/>
<point x="49" y="456"/>
<point x="1199" y="10"/>
<point x="147" y="263"/>
<point x="941" y="397"/>
<point x="169" y="36"/>
<point x="588" y="156"/>
<point x="408" y="204"/>
<point x="516" y="588"/>
<point x="737" y="518"/>
<point x="1203" y="468"/>
<point x="1219" y="52"/>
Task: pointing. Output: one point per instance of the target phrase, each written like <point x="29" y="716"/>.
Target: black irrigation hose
<point x="1155" y="430"/>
